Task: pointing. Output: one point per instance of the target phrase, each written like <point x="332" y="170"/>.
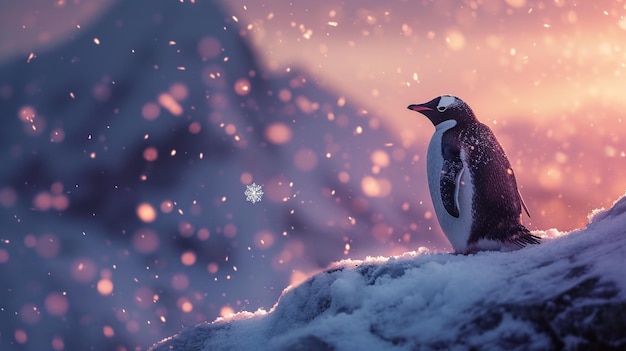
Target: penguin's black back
<point x="496" y="205"/>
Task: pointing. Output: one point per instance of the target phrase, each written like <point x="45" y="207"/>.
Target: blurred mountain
<point x="568" y="293"/>
<point x="126" y="154"/>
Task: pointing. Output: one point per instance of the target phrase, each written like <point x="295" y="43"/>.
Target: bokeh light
<point x="278" y="133"/>
<point x="123" y="179"/>
<point x="146" y="212"/>
<point x="105" y="286"/>
<point x="145" y="240"/>
<point x="56" y="304"/>
<point x="168" y="102"/>
<point x="150" y="111"/>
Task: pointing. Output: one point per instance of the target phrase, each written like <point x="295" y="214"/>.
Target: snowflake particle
<point x="253" y="193"/>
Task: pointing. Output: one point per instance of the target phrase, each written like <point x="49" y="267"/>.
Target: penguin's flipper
<point x="450" y="184"/>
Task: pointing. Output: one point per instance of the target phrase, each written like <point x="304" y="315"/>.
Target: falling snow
<point x="424" y="300"/>
<point x="253" y="193"/>
<point x="130" y="132"/>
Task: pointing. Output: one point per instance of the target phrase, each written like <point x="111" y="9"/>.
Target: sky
<point x="547" y="77"/>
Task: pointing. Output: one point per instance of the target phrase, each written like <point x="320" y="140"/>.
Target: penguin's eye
<point x="442" y="108"/>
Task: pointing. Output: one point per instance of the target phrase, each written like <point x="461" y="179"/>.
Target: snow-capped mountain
<point x="567" y="293"/>
<point x="125" y="157"/>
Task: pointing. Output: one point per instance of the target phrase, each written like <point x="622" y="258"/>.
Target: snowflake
<point x="253" y="193"/>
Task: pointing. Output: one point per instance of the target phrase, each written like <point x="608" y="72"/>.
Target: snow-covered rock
<point x="567" y="293"/>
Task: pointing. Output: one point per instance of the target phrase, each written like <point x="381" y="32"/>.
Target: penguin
<point x="471" y="182"/>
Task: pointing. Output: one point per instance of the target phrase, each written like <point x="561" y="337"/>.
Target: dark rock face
<point x="568" y="293"/>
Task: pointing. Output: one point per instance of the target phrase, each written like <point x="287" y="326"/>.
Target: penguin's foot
<point x="523" y="239"/>
<point x="517" y="238"/>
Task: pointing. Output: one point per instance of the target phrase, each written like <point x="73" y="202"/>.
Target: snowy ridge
<point x="567" y="293"/>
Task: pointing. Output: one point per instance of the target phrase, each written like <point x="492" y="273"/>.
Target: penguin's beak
<point x="419" y="108"/>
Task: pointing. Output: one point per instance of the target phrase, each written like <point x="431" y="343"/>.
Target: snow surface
<point x="569" y="292"/>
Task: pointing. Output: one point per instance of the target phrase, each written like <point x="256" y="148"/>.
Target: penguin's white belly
<point x="457" y="230"/>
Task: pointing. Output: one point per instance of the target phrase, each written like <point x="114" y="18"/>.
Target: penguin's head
<point x="444" y="108"/>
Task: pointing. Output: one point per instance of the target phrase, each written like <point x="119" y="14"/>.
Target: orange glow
<point x="105" y="287"/>
<point x="245" y="178"/>
<point x="167" y="206"/>
<point x="20" y="336"/>
<point x="230" y="129"/>
<point x="30" y="314"/>
<point x="278" y="133"/>
<point x="195" y="128"/>
<point x="180" y="281"/>
<point x="380" y="158"/>
<point x="30" y="241"/>
<point x="343" y="177"/>
<point x="57" y="135"/>
<point x="516" y="3"/>
<point x="284" y="95"/>
<point x="375" y="187"/>
<point x="108" y="331"/>
<point x="455" y="40"/>
<point x="179" y="91"/>
<point x="188" y="258"/>
<point x="27" y="114"/>
<point x="43" y="201"/>
<point x="185" y="305"/>
<point x="146" y="212"/>
<point x="168" y="102"/>
<point x="150" y="111"/>
<point x="305" y="105"/>
<point x="226" y="311"/>
<point x="203" y="234"/>
<point x="56" y="304"/>
<point x="550" y="76"/>
<point x="212" y="268"/>
<point x="297" y="278"/>
<point x="150" y="154"/>
<point x="242" y="87"/>
<point x="60" y="203"/>
<point x="57" y="343"/>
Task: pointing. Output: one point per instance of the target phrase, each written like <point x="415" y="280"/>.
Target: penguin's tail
<point x="520" y="237"/>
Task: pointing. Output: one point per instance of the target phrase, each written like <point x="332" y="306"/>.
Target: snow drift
<point x="568" y="293"/>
